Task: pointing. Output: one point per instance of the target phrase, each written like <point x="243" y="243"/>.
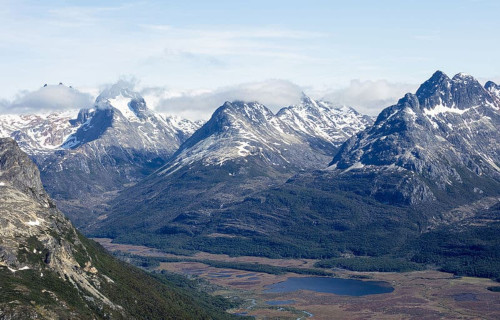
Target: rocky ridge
<point x="300" y="136"/>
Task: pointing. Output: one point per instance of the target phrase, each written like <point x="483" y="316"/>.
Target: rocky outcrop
<point x="35" y="235"/>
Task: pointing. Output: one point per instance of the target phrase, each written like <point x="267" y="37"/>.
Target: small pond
<point x="346" y="287"/>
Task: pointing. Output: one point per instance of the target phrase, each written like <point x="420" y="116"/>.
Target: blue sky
<point x="193" y="48"/>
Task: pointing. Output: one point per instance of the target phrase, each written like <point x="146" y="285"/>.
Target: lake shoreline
<point x="418" y="294"/>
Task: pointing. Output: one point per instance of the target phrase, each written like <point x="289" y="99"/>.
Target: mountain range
<point x="312" y="180"/>
<point x="87" y="156"/>
<point x="242" y="149"/>
<point x="428" y="163"/>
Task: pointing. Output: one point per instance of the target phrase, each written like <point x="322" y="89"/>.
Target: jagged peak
<point x="120" y="88"/>
<point x="306" y="102"/>
<point x="463" y="76"/>
<point x="439" y="76"/>
<point x="60" y="85"/>
<point x="227" y="116"/>
<point x="317" y="107"/>
<point x="409" y="98"/>
<point x="493" y="89"/>
<point x="463" y="91"/>
<point x="409" y="101"/>
<point x="463" y="79"/>
<point x="438" y="83"/>
<point x="490" y="84"/>
<point x="241" y="103"/>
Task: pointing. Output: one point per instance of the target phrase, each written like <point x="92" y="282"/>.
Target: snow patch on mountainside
<point x="183" y="125"/>
<point x="122" y="104"/>
<point x="438" y="109"/>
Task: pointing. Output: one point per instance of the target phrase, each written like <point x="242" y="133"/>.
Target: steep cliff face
<point x="49" y="271"/>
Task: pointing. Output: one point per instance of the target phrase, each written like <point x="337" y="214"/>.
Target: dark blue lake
<point x="346" y="287"/>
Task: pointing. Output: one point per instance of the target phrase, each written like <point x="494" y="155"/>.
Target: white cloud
<point x="125" y="82"/>
<point x="369" y="97"/>
<point x="48" y="98"/>
<point x="200" y="104"/>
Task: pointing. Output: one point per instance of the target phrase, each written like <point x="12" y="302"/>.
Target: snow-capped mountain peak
<point x="446" y="132"/>
<point x="247" y="111"/>
<point x="128" y="102"/>
<point x="236" y="130"/>
<point x="298" y="136"/>
<point x="461" y="92"/>
<point x="321" y="119"/>
<point x="464" y="77"/>
<point x="118" y="89"/>
<point x="116" y="106"/>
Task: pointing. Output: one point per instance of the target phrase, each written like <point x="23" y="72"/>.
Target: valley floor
<point x="417" y="295"/>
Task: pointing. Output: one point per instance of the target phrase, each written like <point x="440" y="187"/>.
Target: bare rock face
<point x="17" y="170"/>
<point x="34" y="235"/>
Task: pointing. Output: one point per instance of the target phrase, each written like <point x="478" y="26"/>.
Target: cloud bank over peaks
<point x="47" y="99"/>
<point x="200" y="104"/>
<point x="370" y="96"/>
